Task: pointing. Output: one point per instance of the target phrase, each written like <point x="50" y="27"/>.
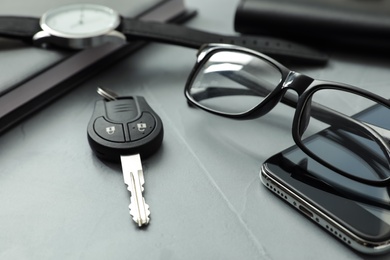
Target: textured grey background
<point x="58" y="201"/>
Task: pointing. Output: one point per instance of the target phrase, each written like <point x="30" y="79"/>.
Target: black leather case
<point x="363" y="24"/>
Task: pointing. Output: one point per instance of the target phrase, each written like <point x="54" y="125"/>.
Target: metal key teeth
<point x="141" y="218"/>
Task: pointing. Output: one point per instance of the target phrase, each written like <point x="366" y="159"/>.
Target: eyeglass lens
<point x="335" y="140"/>
<point x="233" y="82"/>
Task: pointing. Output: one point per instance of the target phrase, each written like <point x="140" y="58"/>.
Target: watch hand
<point x="81" y="15"/>
<point x="86" y="21"/>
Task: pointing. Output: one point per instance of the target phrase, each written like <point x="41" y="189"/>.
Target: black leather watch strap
<point x="184" y="36"/>
<point x="22" y="28"/>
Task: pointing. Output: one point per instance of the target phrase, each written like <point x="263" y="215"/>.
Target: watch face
<point x="80" y="21"/>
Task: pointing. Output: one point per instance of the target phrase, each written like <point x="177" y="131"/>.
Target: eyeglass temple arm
<point x="377" y="163"/>
<point x="363" y="129"/>
<point x="213" y="92"/>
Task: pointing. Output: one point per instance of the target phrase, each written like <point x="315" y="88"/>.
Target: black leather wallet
<point x="362" y="24"/>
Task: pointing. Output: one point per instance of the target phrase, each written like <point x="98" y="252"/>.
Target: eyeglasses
<point x="240" y="83"/>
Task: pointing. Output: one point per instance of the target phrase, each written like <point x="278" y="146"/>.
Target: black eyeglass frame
<point x="305" y="87"/>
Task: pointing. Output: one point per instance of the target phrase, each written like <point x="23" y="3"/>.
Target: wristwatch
<point x="80" y="26"/>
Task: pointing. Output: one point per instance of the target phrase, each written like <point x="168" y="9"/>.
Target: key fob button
<point x="142" y="127"/>
<point x="109" y="131"/>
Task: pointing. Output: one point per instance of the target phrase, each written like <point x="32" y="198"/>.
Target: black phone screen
<point x="362" y="209"/>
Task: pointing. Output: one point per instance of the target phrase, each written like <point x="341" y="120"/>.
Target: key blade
<point x="131" y="163"/>
<point x="134" y="179"/>
<point x="138" y="208"/>
<point x="141" y="217"/>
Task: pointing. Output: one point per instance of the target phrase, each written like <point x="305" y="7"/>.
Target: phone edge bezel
<point x="297" y="200"/>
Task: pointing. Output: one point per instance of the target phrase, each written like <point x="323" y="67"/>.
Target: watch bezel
<point x="52" y="31"/>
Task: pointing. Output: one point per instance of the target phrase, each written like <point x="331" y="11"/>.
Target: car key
<point x="126" y="129"/>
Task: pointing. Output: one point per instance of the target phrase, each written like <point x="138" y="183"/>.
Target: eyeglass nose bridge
<point x="294" y="81"/>
<point x="297" y="82"/>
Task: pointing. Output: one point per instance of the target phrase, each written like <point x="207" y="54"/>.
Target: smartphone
<point x="356" y="214"/>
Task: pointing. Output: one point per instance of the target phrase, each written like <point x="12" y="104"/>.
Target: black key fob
<point x="124" y="126"/>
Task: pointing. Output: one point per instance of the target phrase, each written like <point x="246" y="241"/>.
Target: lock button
<point x="142" y="127"/>
<point x="109" y="131"/>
